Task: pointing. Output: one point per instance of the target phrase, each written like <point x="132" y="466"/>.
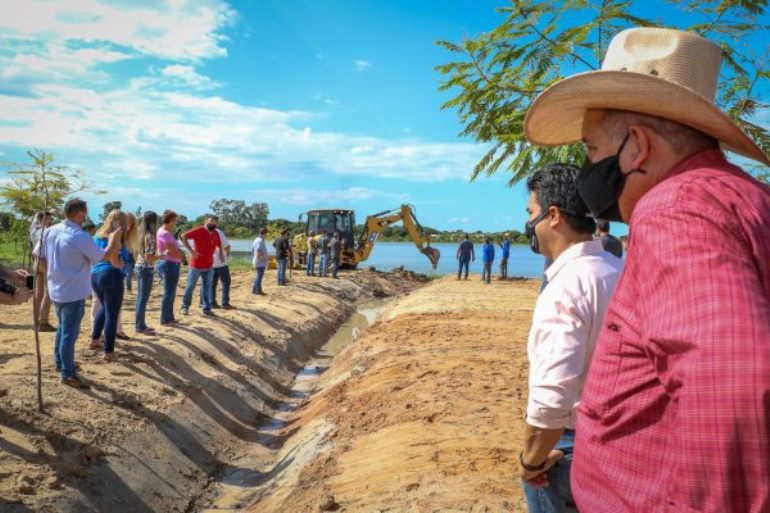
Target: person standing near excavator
<point x="465" y="254"/>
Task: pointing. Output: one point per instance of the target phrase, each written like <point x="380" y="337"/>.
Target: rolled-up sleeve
<point x="558" y="365"/>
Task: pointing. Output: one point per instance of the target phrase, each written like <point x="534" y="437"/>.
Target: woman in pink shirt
<point x="169" y="262"/>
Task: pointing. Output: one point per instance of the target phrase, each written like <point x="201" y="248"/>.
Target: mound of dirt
<point x="176" y="410"/>
<point x="424" y="412"/>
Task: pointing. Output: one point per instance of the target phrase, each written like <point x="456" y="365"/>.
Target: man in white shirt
<point x="222" y="273"/>
<point x="259" y="259"/>
<point x="566" y="322"/>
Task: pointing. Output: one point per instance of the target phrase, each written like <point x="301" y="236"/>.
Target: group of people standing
<point x="79" y="264"/>
<point x="327" y="249"/>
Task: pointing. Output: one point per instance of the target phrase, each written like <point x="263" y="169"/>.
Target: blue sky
<point x="301" y="104"/>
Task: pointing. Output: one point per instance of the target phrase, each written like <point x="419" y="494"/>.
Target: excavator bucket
<point x="432" y="254"/>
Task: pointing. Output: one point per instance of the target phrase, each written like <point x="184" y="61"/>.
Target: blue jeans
<point x="69" y="315"/>
<point x="257" y="288"/>
<point x="557" y="496"/>
<point x="335" y="266"/>
<point x="144" y="279"/>
<point x="282" y="263"/>
<point x="223" y="274"/>
<point x="464" y="263"/>
<point x="128" y="269"/>
<point x="323" y="264"/>
<point x="169" y="273"/>
<point x="108" y="287"/>
<point x="206" y="276"/>
<point x="311" y="264"/>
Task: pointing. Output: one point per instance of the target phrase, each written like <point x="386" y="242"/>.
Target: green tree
<point x="495" y="76"/>
<point x="109" y="207"/>
<point x="236" y="213"/>
<point x="26" y="193"/>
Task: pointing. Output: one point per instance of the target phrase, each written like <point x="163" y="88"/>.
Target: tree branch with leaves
<point x="495" y="76"/>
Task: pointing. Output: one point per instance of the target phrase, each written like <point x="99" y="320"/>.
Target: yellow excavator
<point x="354" y="252"/>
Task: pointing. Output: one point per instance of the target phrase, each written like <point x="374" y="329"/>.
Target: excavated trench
<point x="235" y="488"/>
<point x="193" y="419"/>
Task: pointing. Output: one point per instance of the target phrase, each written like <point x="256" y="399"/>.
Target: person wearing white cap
<point x="675" y="414"/>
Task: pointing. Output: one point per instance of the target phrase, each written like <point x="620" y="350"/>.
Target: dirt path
<point x="423" y="413"/>
<point x="175" y="411"/>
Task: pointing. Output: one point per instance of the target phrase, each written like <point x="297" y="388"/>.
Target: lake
<point x="389" y="255"/>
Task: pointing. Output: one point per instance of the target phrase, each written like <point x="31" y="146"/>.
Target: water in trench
<point x="234" y="482"/>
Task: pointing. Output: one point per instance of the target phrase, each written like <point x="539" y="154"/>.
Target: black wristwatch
<point x="530" y="468"/>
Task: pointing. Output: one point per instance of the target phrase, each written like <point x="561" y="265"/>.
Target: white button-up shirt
<point x="69" y="252"/>
<point x="225" y="243"/>
<point x="565" y="325"/>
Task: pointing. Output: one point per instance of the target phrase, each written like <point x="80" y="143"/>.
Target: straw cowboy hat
<point x="661" y="72"/>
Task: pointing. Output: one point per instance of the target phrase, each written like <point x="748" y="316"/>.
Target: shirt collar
<point x="72" y="224"/>
<point x="591" y="247"/>
<point x="706" y="158"/>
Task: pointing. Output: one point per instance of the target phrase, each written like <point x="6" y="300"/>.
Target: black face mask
<point x="211" y="227"/>
<point x="529" y="231"/>
<point x="600" y="184"/>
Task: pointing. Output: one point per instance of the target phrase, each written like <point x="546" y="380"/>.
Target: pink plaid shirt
<point x="675" y="415"/>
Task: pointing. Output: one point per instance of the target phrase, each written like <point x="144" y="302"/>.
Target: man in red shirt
<point x="206" y="241"/>
<point x="675" y="414"/>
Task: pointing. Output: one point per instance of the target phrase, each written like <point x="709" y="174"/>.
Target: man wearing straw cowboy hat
<point x="675" y="414"/>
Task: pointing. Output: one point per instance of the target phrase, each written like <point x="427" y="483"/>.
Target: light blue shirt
<point x="506" y="248"/>
<point x="69" y="252"/>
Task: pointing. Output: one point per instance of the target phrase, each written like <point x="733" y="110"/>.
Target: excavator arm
<point x="376" y="224"/>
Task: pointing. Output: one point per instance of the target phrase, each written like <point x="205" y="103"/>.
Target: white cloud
<point x="165" y="122"/>
<point x="187" y="76"/>
<point x="183" y="31"/>
<point x="459" y="220"/>
<point x="362" y="65"/>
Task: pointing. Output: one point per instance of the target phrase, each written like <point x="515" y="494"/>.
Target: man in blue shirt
<point x="69" y="253"/>
<point x="506" y="247"/>
<point x="488" y="253"/>
<point x="465" y="254"/>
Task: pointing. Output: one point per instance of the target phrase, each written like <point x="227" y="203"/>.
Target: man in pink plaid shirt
<point x="675" y="414"/>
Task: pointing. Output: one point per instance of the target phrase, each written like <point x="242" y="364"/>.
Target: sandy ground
<point x="423" y="413"/>
<point x="176" y="411"/>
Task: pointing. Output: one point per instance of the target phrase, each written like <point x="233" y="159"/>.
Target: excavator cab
<point x="343" y="221"/>
<point x="327" y="220"/>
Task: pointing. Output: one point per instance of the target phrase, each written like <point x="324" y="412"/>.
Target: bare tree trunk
<point x="37" y="298"/>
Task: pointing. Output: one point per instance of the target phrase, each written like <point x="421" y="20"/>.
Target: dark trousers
<point x="169" y="273"/>
<point x="504" y="268"/>
<point x="335" y="266"/>
<point x="144" y="279"/>
<point x="108" y="286"/>
<point x="223" y="274"/>
<point x="486" y="273"/>
<point x="464" y="263"/>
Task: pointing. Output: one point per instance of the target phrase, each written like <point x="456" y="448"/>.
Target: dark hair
<point x="213" y="216"/>
<point x="168" y="216"/>
<point x="262" y="231"/>
<point x="603" y="225"/>
<point x="75" y="206"/>
<point x="555" y="185"/>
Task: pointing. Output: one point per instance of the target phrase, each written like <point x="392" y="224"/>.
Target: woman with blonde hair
<point x="132" y="244"/>
<point x="107" y="284"/>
